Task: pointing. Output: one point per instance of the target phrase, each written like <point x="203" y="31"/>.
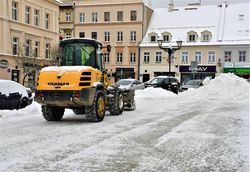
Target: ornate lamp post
<point x="170" y="50"/>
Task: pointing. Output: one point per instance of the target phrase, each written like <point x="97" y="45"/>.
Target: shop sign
<point x="125" y="69"/>
<point x="200" y="69"/>
<point x="228" y="64"/>
<point x="242" y="65"/>
<point x="237" y="70"/>
<point x="4" y="63"/>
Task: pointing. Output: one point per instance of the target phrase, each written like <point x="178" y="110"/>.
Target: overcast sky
<point x="164" y="3"/>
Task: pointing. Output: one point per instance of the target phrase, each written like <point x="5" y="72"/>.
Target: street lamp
<point x="170" y="50"/>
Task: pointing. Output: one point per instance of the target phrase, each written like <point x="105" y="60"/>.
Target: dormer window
<point x="153" y="37"/>
<point x="206" y="36"/>
<point x="192" y="36"/>
<point x="166" y="36"/>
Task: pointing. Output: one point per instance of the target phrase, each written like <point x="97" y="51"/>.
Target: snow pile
<point x="34" y="108"/>
<point x="225" y="87"/>
<point x="153" y="93"/>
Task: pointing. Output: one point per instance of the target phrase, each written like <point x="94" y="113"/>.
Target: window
<point x="211" y="57"/>
<point x="106" y="57"/>
<point x="184" y="57"/>
<point x="67" y="35"/>
<point x="133" y="15"/>
<point x="94" y="17"/>
<point x="82" y="34"/>
<point x="94" y="35"/>
<point x="15" y="45"/>
<point x="37" y="49"/>
<point x="36" y="17"/>
<point x="198" y="56"/>
<point x="119" y="36"/>
<point x="14" y="10"/>
<point x="47" y="50"/>
<point x="146" y="57"/>
<point x="205" y="38"/>
<point x="119" y="16"/>
<point x="68" y="16"/>
<point x="106" y="36"/>
<point x="153" y="38"/>
<point x="191" y="38"/>
<point x="158" y="57"/>
<point x="82" y="17"/>
<point x="166" y="38"/>
<point x="132" y="57"/>
<point x="133" y="36"/>
<point x="27" y="48"/>
<point x="119" y="57"/>
<point x="46" y="21"/>
<point x="242" y="56"/>
<point x="106" y="16"/>
<point x="227" y="56"/>
<point x="27" y="15"/>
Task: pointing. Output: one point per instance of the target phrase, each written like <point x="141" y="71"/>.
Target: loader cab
<point x="81" y="52"/>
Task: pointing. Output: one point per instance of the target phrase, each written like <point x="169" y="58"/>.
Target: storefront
<point x="239" y="69"/>
<point x="123" y="73"/>
<point x="202" y="73"/>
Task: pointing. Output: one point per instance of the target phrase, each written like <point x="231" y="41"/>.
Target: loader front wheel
<point x="52" y="113"/>
<point x="96" y="112"/>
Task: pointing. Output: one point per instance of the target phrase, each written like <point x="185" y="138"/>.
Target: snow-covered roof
<point x="237" y="26"/>
<point x="198" y="19"/>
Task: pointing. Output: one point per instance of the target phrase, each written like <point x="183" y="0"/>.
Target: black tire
<point x="52" y="113"/>
<point x="23" y="103"/>
<point x="79" y="111"/>
<point x="96" y="112"/>
<point x="118" y="105"/>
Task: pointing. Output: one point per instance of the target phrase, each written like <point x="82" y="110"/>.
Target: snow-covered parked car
<point x="191" y="84"/>
<point x="129" y="86"/>
<point x="13" y="95"/>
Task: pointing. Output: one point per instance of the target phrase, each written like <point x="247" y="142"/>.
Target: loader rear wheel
<point x="117" y="107"/>
<point x="52" y="113"/>
<point x="96" y="112"/>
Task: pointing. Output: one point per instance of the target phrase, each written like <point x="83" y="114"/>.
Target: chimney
<point x="170" y="6"/>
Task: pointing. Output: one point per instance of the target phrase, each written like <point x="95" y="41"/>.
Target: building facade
<point x="121" y="24"/>
<point x="207" y="39"/>
<point x="29" y="31"/>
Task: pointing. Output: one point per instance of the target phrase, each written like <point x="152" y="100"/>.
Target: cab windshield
<point x="79" y="54"/>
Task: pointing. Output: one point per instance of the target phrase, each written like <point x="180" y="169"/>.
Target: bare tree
<point x="27" y="58"/>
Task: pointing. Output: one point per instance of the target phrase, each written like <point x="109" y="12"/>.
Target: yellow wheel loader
<point x="80" y="83"/>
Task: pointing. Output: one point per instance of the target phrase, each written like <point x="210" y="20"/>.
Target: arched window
<point x="153" y="37"/>
<point x="206" y="36"/>
<point x="166" y="36"/>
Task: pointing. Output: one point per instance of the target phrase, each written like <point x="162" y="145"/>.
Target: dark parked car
<point x="14" y="95"/>
<point x="165" y="82"/>
<point x="129" y="86"/>
<point x="191" y="84"/>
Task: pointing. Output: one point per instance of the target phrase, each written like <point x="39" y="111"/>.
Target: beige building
<point x="29" y="31"/>
<point x="121" y="24"/>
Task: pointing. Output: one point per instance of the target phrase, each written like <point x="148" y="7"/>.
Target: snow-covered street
<point x="205" y="129"/>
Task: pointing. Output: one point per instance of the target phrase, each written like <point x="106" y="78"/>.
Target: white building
<point x="207" y="32"/>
